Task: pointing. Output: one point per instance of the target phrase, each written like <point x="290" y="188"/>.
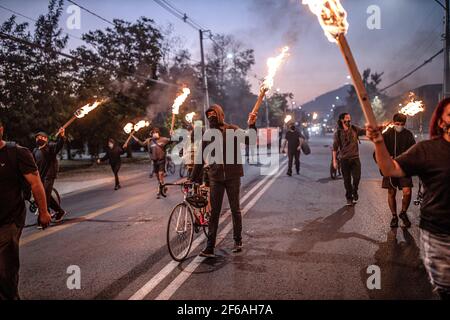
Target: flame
<point x="413" y="107"/>
<point x="332" y="17"/>
<point x="387" y="127"/>
<point x="128" y="128"/>
<point x="141" y="124"/>
<point x="315" y="115"/>
<point x="287" y="119"/>
<point x="180" y="100"/>
<point x="190" y="117"/>
<point x="273" y="64"/>
<point x="82" y="112"/>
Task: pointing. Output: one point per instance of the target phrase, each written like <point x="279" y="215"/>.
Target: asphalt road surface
<point x="300" y="242"/>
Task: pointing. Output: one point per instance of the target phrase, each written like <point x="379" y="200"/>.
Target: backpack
<point x="11" y="153"/>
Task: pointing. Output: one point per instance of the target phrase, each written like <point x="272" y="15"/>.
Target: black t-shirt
<point x="430" y="160"/>
<point x="12" y="204"/>
<point x="292" y="138"/>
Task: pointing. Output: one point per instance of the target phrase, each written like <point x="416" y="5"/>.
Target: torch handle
<point x="173" y="122"/>
<point x="258" y="103"/>
<point x="67" y="124"/>
<point x="357" y="80"/>
<point x="129" y="138"/>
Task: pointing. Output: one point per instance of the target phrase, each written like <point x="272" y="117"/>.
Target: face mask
<point x="110" y="145"/>
<point x="155" y="136"/>
<point x="214" y="122"/>
<point x="293" y="128"/>
<point x="446" y="128"/>
<point x="399" y="128"/>
<point x="40" y="142"/>
<point x="347" y="123"/>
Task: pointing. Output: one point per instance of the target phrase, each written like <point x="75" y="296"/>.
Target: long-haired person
<point x="430" y="160"/>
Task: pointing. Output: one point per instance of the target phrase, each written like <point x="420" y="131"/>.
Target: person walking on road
<point x="113" y="154"/>
<point x="430" y="160"/>
<point x="46" y="157"/>
<point x="398" y="140"/>
<point x="157" y="146"/>
<point x="294" y="140"/>
<point x="18" y="171"/>
<point x="346" y="141"/>
<point x="223" y="177"/>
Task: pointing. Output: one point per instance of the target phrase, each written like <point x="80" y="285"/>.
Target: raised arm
<point x="141" y="143"/>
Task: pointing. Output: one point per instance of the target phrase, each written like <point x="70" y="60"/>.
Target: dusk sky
<point x="410" y="33"/>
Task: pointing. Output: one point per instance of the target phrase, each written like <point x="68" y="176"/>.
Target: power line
<point x="82" y="61"/>
<point x="91" y="12"/>
<point x="413" y="71"/>
<point x="438" y="2"/>
<point x="178" y="14"/>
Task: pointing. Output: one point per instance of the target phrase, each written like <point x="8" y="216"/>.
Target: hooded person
<point x="224" y="176"/>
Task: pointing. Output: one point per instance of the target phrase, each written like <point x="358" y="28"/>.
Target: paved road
<point x="300" y="242"/>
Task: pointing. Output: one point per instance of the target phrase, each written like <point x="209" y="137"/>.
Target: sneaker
<point x="394" y="222"/>
<point x="158" y="196"/>
<point x="59" y="216"/>
<point x="405" y="220"/>
<point x="116" y="188"/>
<point x="237" y="247"/>
<point x="289" y="174"/>
<point x="355" y="198"/>
<point x="349" y="203"/>
<point x="207" y="253"/>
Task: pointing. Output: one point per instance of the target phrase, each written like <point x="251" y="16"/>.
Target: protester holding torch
<point x="113" y="153"/>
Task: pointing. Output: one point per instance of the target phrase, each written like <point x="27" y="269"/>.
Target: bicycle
<point x="170" y="166"/>
<point x="33" y="206"/>
<point x="186" y="218"/>
<point x="185" y="170"/>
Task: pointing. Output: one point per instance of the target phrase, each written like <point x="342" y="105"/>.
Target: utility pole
<point x="205" y="79"/>
<point x="446" y="86"/>
<point x="267" y="113"/>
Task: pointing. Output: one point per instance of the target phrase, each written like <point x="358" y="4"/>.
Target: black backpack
<point x="11" y="152"/>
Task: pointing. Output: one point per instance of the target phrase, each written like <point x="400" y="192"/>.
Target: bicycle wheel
<point x="182" y="170"/>
<point x="171" y="168"/>
<point x="180" y="232"/>
<point x="56" y="196"/>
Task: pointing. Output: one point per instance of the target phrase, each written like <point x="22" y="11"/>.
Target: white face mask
<point x="399" y="128"/>
<point x="155" y="136"/>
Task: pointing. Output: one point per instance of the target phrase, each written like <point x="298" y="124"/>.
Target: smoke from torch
<point x="333" y="19"/>
<point x="177" y="104"/>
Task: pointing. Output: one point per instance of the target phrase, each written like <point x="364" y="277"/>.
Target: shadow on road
<point x="403" y="276"/>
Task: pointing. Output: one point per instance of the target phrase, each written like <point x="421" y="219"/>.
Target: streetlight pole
<point x="205" y="79"/>
<point x="446" y="87"/>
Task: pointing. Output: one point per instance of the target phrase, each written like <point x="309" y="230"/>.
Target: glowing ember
<point x="141" y="124"/>
<point x="180" y="100"/>
<point x="287" y="119"/>
<point x="190" y="117"/>
<point x="274" y="64"/>
<point x="413" y="107"/>
<point x="128" y="128"/>
<point x="82" y="112"/>
<point x="332" y="17"/>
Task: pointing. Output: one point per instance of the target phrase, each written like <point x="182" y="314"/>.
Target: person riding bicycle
<point x="45" y="155"/>
<point x="157" y="150"/>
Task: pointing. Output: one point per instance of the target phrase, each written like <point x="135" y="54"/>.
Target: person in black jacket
<point x="294" y="140"/>
<point x="398" y="140"/>
<point x="223" y="177"/>
<point x="113" y="153"/>
<point x="45" y="155"/>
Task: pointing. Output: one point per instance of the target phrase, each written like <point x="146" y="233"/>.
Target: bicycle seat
<point x="197" y="201"/>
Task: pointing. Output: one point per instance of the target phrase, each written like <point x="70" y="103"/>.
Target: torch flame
<point x="332" y="17"/>
<point x="128" y="128"/>
<point x="413" y="107"/>
<point x="141" y="124"/>
<point x="82" y="112"/>
<point x="273" y="64"/>
<point x="287" y="119"/>
<point x="190" y="117"/>
<point x="388" y="126"/>
<point x="180" y="100"/>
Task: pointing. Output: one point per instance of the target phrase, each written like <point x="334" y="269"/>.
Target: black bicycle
<point x="33" y="206"/>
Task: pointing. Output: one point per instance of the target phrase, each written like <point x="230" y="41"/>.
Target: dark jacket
<point x="347" y="142"/>
<point x="46" y="159"/>
<point x="222" y="172"/>
<point x="398" y="142"/>
<point x="113" y="155"/>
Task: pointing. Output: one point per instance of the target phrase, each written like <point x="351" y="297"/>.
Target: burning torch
<point x="82" y="112"/>
<point x="190" y="117"/>
<point x="130" y="129"/>
<point x="273" y="64"/>
<point x="177" y="104"/>
<point x="333" y="19"/>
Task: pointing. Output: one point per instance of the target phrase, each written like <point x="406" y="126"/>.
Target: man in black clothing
<point x="17" y="168"/>
<point x="398" y="140"/>
<point x="294" y="140"/>
<point x="113" y="153"/>
<point x="346" y="140"/>
<point x="45" y="155"/>
<point x="223" y="177"/>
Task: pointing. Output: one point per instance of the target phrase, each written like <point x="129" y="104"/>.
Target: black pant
<point x="294" y="155"/>
<point x="351" y="168"/>
<point x="9" y="261"/>
<point x="51" y="202"/>
<point x="115" y="167"/>
<point x="217" y="192"/>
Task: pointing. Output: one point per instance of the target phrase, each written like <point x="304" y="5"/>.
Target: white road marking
<point x="160" y="276"/>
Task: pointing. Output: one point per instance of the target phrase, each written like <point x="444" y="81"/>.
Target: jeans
<point x="51" y="202"/>
<point x="217" y="192"/>
<point x="294" y="155"/>
<point x="351" y="168"/>
<point x="9" y="261"/>
<point x="436" y="257"/>
<point x="115" y="169"/>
